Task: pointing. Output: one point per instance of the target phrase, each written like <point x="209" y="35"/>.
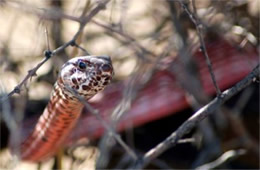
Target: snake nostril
<point x="106" y="68"/>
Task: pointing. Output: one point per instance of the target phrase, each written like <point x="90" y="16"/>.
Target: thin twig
<point x="136" y="83"/>
<point x="222" y="159"/>
<point x="82" y="49"/>
<point x="203" y="48"/>
<point x="109" y="129"/>
<point x="79" y="39"/>
<point x="49" y="54"/>
<point x="197" y="117"/>
<point x="84" y="21"/>
<point x="30" y="74"/>
<point x="126" y="36"/>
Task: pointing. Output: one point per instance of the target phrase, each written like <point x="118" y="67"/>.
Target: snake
<point x="87" y="75"/>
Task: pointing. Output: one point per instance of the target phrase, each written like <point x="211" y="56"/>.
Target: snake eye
<point x="82" y="65"/>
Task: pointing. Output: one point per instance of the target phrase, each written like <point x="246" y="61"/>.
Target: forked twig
<point x="48" y="54"/>
<point x="126" y="36"/>
<point x="31" y="73"/>
<point x="109" y="129"/>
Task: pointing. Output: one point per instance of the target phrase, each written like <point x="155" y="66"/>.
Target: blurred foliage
<point x="23" y="37"/>
<point x="133" y="32"/>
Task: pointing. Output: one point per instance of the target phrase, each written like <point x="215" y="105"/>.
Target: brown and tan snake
<point x="87" y="75"/>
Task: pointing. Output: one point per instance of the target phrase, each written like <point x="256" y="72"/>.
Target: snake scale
<point x="87" y="75"/>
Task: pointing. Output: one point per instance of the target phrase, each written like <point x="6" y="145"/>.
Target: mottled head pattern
<point x="86" y="74"/>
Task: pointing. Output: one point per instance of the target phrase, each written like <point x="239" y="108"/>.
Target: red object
<point x="163" y="96"/>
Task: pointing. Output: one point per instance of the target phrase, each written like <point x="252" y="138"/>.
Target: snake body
<point x="87" y="75"/>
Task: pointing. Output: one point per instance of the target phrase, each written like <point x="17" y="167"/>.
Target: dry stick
<point x="197" y="117"/>
<point x="30" y="74"/>
<point x="235" y="120"/>
<point x="79" y="39"/>
<point x="222" y="159"/>
<point x="82" y="49"/>
<point x="49" y="54"/>
<point x="84" y="21"/>
<point x="198" y="26"/>
<point x="189" y="81"/>
<point x="126" y="36"/>
<point x="130" y="92"/>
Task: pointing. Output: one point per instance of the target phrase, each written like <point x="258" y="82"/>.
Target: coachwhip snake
<point x="87" y="75"/>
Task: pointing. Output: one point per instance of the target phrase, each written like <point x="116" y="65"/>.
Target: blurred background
<point x="161" y="79"/>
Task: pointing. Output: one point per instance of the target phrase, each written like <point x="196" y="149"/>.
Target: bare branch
<point x="79" y="39"/>
<point x="203" y="48"/>
<point x="30" y="74"/>
<point x="49" y="54"/>
<point x="126" y="36"/>
<point x="84" y="21"/>
<point x="197" y="118"/>
<point x="109" y="129"/>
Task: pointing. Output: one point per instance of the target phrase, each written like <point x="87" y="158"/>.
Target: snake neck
<point x="62" y="98"/>
<point x="53" y="126"/>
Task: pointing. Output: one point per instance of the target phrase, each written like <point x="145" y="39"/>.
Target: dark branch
<point x="197" y="117"/>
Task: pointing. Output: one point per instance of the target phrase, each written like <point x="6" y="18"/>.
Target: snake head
<point x="87" y="75"/>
